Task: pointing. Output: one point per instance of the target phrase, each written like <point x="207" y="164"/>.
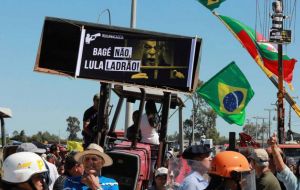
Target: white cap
<point x="161" y="171"/>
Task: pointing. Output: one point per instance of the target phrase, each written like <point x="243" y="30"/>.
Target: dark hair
<point x="70" y="162"/>
<point x="218" y="183"/>
<point x="297" y="174"/>
<point x="135" y="115"/>
<point x="96" y="97"/>
<point x="150" y="107"/>
<point x="8" y="186"/>
<point x="53" y="148"/>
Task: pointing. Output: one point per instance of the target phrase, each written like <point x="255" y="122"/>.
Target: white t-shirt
<point x="53" y="174"/>
<point x="149" y="134"/>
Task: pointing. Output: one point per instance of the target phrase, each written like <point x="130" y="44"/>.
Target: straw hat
<point x="95" y="150"/>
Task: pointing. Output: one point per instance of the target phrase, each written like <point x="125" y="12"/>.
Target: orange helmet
<point x="227" y="162"/>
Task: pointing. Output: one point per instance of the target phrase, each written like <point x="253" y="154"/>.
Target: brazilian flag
<point x="211" y="4"/>
<point x="228" y="93"/>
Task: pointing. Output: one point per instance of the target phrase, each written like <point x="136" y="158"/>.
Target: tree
<point x="23" y="137"/>
<point x="73" y="127"/>
<point x="15" y="133"/>
<point x="173" y="137"/>
<point x="19" y="136"/>
<point x="38" y="137"/>
<point x="213" y="134"/>
<point x="204" y="117"/>
<point x="250" y="129"/>
<point x="187" y="128"/>
<point x="44" y="136"/>
<point x="256" y="132"/>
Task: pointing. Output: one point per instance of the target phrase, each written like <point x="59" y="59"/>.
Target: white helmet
<point x="20" y="166"/>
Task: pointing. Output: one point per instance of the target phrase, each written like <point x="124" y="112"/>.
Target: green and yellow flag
<point x="211" y="4"/>
<point x="74" y="146"/>
<point x="228" y="93"/>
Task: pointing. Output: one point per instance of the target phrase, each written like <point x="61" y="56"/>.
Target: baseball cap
<point x="30" y="147"/>
<point x="260" y="155"/>
<point x="161" y="171"/>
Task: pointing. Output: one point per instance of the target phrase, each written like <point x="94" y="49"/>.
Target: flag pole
<point x="277" y="25"/>
<point x="269" y="74"/>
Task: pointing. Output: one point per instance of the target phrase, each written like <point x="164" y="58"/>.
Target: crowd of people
<point x="264" y="169"/>
<point x="33" y="168"/>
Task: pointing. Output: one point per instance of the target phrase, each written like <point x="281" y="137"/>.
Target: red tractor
<point x="134" y="161"/>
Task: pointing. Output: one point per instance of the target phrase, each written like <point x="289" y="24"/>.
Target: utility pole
<point x="256" y="127"/>
<point x="263" y="132"/>
<point x="193" y="129"/>
<point x="248" y="122"/>
<point x="192" y="139"/>
<point x="269" y="131"/>
<point x="129" y="111"/>
<point x="59" y="136"/>
<point x="277" y="35"/>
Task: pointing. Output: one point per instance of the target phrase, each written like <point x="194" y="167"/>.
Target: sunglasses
<point x="41" y="176"/>
<point x="162" y="177"/>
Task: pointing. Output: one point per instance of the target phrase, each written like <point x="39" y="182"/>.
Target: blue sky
<point x="42" y="102"/>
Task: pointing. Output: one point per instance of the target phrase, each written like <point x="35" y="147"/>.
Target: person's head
<point x="72" y="167"/>
<point x="51" y="158"/>
<point x="150" y="52"/>
<point x="230" y="170"/>
<point x="54" y="149"/>
<point x="135" y="116"/>
<point x="291" y="163"/>
<point x="160" y="178"/>
<point x="96" y="100"/>
<point x="62" y="152"/>
<point x="93" y="158"/>
<point x="61" y="169"/>
<point x="25" y="170"/>
<point x="259" y="160"/>
<point x="297" y="173"/>
<point x="200" y="154"/>
<point x="150" y="107"/>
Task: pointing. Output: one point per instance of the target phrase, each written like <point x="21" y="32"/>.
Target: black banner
<point x="119" y="55"/>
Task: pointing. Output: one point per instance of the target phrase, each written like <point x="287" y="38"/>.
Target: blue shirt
<point x="194" y="181"/>
<point x="287" y="177"/>
<point x="74" y="183"/>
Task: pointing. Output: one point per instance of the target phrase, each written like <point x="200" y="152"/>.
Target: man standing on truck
<point x="149" y="124"/>
<point x="90" y="122"/>
<point x="130" y="131"/>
